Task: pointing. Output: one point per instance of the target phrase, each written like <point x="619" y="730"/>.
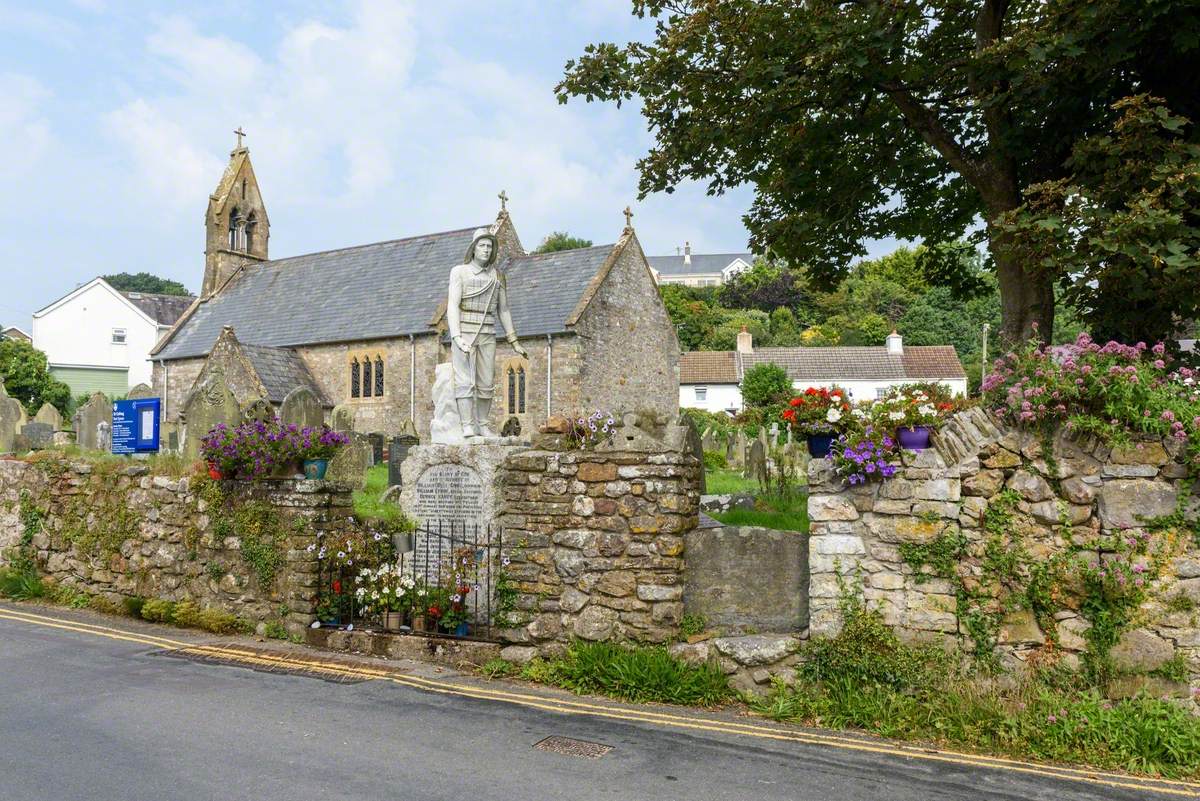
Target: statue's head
<point x="483" y="248"/>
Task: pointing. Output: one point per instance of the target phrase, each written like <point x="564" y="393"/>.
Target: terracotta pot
<point x="418" y="623"/>
<point x="214" y="472"/>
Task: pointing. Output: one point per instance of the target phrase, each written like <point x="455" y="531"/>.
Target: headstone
<point x="140" y="391"/>
<point x="38" y="435"/>
<point x="774" y="438"/>
<point x="258" y="410"/>
<point x="756" y="462"/>
<point x="104" y="435"/>
<point x="173" y="441"/>
<point x="376" y="440"/>
<point x="708" y="440"/>
<point x="342" y="418"/>
<point x="88" y="417"/>
<point x="350" y="462"/>
<point x="302" y="407"/>
<point x="397" y="453"/>
<point x="740" y="446"/>
<point x="10" y="416"/>
<point x="209" y="404"/>
<point x="50" y="416"/>
<point x="694" y="446"/>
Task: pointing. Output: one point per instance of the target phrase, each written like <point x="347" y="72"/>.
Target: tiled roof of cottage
<point x="164" y="309"/>
<point x="701" y="263"/>
<point x="378" y="291"/>
<point x="281" y="370"/>
<point x="918" y="363"/>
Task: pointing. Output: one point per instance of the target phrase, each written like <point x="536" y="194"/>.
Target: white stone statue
<point x="477" y="297"/>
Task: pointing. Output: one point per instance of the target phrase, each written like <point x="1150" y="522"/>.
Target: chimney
<point x="687" y="252"/>
<point x="895" y="344"/>
<point x="745" y="341"/>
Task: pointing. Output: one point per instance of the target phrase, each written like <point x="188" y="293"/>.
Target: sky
<point x="366" y="121"/>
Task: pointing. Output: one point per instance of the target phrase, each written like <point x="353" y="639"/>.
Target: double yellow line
<point x="251" y="658"/>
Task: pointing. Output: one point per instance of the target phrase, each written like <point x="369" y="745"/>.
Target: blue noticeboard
<point x="135" y="425"/>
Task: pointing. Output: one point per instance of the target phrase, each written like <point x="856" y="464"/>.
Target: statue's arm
<point x="453" y="302"/>
<point x="506" y="314"/>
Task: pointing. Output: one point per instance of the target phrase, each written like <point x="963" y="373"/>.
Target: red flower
<point x="797" y="402"/>
<point x="789" y="414"/>
<point x="337" y="586"/>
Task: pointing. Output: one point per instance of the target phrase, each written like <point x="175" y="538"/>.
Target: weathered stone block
<point x="1127" y="503"/>
<point x="1140" y="651"/>
<point x="831" y="507"/>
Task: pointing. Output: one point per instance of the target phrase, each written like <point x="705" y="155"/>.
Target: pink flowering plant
<point x="1112" y="391"/>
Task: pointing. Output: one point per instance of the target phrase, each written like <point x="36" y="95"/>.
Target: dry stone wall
<point x="109" y="528"/>
<point x="986" y="500"/>
<point x="595" y="544"/>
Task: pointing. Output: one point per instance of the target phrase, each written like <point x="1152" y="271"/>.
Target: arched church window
<point x="354" y="393"/>
<point x="512" y="391"/>
<point x="367" y="383"/>
<point x="237" y="230"/>
<point x="515" y="371"/>
<point x="251" y="223"/>
<point x="378" y="377"/>
<point x="520" y="390"/>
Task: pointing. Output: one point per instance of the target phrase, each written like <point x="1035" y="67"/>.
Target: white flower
<point x="895" y="415"/>
<point x="927" y="410"/>
<point x="341" y="554"/>
<point x="859" y="413"/>
<point x="834" y="414"/>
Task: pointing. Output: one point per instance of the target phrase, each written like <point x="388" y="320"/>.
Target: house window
<point x="880" y="392"/>
<point x="354" y="378"/>
<point x="378" y="377"/>
<point x="367" y="384"/>
<point x="701" y="394"/>
<point x="118" y="336"/>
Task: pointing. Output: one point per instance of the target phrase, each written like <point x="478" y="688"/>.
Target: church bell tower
<point x="236" y="224"/>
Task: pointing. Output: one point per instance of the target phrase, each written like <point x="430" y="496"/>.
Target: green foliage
<point x="257" y="524"/>
<point x="157" y="610"/>
<point x="133" y="605"/>
<point x="1174" y="669"/>
<point x="186" y="614"/>
<point x="642" y="674"/>
<point x="691" y="625"/>
<point x="221" y="622"/>
<point x="370" y="508"/>
<point x="70" y="597"/>
<point x="715" y="460"/>
<point x="20" y="585"/>
<point x="720" y="423"/>
<point x="561" y="240"/>
<point x="145" y="282"/>
<point x="728" y="482"/>
<point x="215" y="570"/>
<point x="789" y="514"/>
<point x="768" y="285"/>
<point x="497" y="668"/>
<point x="27" y="377"/>
<point x="275" y="630"/>
<point x="766" y="384"/>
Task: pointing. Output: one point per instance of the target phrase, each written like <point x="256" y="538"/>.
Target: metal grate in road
<point x="572" y="747"/>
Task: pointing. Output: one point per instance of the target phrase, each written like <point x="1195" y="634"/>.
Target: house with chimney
<point x="711" y="380"/>
<point x="699" y="269"/>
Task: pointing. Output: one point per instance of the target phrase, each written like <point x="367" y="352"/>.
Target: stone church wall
<point x="172" y="382"/>
<point x="630" y="352"/>
<point x="991" y="537"/>
<point x="108" y="528"/>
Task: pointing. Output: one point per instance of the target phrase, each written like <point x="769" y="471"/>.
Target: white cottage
<point x="711" y="380"/>
<point x="98" y="339"/>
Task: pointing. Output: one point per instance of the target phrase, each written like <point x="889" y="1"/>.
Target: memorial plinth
<point x="455" y="485"/>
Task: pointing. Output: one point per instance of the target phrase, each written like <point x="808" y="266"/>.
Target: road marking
<point x="616" y="712"/>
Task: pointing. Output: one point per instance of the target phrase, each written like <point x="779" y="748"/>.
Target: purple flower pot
<point x="819" y="445"/>
<point x="913" y="439"/>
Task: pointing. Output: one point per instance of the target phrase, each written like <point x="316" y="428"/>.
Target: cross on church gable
<point x="240" y="133"/>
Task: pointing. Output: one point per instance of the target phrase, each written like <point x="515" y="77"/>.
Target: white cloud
<point x="24" y="131"/>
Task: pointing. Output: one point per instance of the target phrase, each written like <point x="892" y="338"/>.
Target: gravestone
<point x="104" y="435"/>
<point x="140" y="391"/>
<point x="756" y="462"/>
<point x="738" y="459"/>
<point x="773" y="440"/>
<point x="38" y="435"/>
<point x="88" y="417"/>
<point x="708" y="440"/>
<point x="694" y="446"/>
<point x="258" y="410"/>
<point x="376" y="440"/>
<point x="10" y="416"/>
<point x="342" y="418"/>
<point x="301" y="407"/>
<point x="210" y="404"/>
<point x="350" y="462"/>
<point x="50" y="416"/>
<point x="173" y="441"/>
<point x="397" y="454"/>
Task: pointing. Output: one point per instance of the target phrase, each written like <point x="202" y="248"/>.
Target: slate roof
<point x="918" y="363"/>
<point x="281" y="370"/>
<point x="164" y="309"/>
<point x="378" y="291"/>
<point x="702" y="263"/>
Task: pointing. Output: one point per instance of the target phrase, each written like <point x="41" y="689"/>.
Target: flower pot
<point x="392" y="621"/>
<point x="214" y="472"/>
<point x="913" y="439"/>
<point x="418" y="623"/>
<point x="462" y="629"/>
<point x="819" y="445"/>
<point x="315" y="468"/>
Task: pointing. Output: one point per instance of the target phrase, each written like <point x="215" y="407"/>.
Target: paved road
<point x="84" y="715"/>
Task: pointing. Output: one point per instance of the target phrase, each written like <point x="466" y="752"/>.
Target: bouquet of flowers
<point x="319" y="443"/>
<point x="817" y="410"/>
<point x="863" y="455"/>
<point x="908" y="407"/>
<point x="387" y="588"/>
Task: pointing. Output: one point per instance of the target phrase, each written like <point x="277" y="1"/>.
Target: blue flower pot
<point x="819" y="445"/>
<point x="315" y="468"/>
<point x="913" y="439"/>
<point x="462" y="629"/>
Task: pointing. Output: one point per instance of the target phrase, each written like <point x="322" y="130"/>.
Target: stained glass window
<point x="512" y="391"/>
<point x="378" y="377"/>
<point x="354" y="378"/>
<point x="366" y="376"/>
<point x="521" y="390"/>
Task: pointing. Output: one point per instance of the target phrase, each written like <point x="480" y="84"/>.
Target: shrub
<point x="497" y="668"/>
<point x="158" y="611"/>
<point x="186" y="614"/>
<point x="766" y="384"/>
<point x="715" y="460"/>
<point x="133" y="606"/>
<point x="646" y="673"/>
<point x="219" y="622"/>
<point x="275" y="630"/>
<point x="20" y="585"/>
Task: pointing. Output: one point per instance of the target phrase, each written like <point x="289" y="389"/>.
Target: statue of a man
<point x="477" y="297"/>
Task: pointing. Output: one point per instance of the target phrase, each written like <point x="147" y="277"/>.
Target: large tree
<point x="145" y="282"/>
<point x="561" y="240"/>
<point x="908" y="118"/>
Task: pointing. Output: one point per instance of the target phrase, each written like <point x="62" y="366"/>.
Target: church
<point x="364" y="326"/>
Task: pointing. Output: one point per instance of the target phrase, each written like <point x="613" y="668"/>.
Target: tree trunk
<point x="1026" y="298"/>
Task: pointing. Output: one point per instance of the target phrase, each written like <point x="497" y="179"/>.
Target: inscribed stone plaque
<point x="350" y="462"/>
<point x="376" y="441"/>
<point x="258" y="410"/>
<point x="449" y="503"/>
<point x="38" y="435"/>
<point x="50" y="416"/>
<point x="302" y="407"/>
<point x="90" y="415"/>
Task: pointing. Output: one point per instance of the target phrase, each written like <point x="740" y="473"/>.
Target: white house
<point x="97" y="339"/>
<point x="698" y="269"/>
<point x="711" y="380"/>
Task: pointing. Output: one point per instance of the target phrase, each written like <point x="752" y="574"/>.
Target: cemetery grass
<point x="367" y="501"/>
<point x="783" y="513"/>
<point x="728" y="482"/>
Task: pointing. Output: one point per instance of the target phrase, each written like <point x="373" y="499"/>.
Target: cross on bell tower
<point x="240" y="133"/>
<point x="628" y="218"/>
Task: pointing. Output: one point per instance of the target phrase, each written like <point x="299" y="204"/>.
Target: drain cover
<point x="256" y="661"/>
<point x="572" y="747"/>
